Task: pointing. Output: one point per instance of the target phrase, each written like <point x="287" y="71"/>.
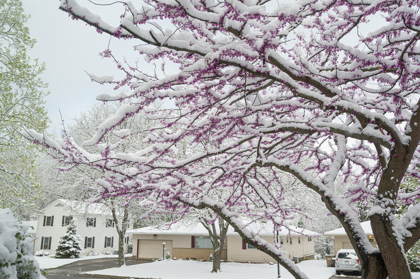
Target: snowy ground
<point x="192" y="270"/>
<point x="47" y="262"/>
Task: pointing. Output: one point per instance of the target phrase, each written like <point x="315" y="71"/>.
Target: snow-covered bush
<point x="16" y="260"/>
<point x="413" y="258"/>
<point x="324" y="246"/>
<point x="69" y="243"/>
<point x="42" y="253"/>
<point x="168" y="255"/>
<point x="92" y="253"/>
<point x="211" y="258"/>
<point x="107" y="253"/>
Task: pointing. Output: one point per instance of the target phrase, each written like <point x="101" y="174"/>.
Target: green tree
<point x="69" y="244"/>
<point x="21" y="107"/>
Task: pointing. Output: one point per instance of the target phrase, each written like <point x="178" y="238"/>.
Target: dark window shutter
<point x="49" y="244"/>
<point x="87" y="222"/>
<point x="45" y="219"/>
<point x="243" y="244"/>
<point x="52" y="221"/>
<point x="112" y="242"/>
<point x="94" y="222"/>
<point x="105" y="242"/>
<point x="192" y="241"/>
<point x="62" y="221"/>
<point x="42" y="242"/>
<point x="85" y="242"/>
<point x="93" y="242"/>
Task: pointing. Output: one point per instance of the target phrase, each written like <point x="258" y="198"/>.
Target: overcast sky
<point x="68" y="48"/>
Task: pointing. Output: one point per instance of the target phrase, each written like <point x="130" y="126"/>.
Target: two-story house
<point x="94" y="224"/>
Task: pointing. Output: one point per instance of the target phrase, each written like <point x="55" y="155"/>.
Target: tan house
<point x="342" y="241"/>
<point x="194" y="243"/>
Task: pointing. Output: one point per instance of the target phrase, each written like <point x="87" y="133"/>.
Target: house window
<point x="91" y="222"/>
<point x="299" y="239"/>
<point x="109" y="242"/>
<point x="46" y="243"/>
<point x="48" y="221"/>
<point x="291" y="240"/>
<point x="287" y="239"/>
<point x="127" y="239"/>
<point x="110" y="223"/>
<point x="250" y="246"/>
<point x="281" y="241"/>
<point x="66" y="220"/>
<point x="309" y="238"/>
<point x="89" y="242"/>
<point x="203" y="242"/>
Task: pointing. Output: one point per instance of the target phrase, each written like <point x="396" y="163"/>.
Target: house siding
<point x="181" y="247"/>
<point x="236" y="253"/>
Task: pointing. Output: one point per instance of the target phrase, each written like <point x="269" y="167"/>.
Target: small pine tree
<point x="69" y="244"/>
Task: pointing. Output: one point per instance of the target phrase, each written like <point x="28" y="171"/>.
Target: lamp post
<point x="163" y="251"/>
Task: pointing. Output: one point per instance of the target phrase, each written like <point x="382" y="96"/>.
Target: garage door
<point x="152" y="249"/>
<point x="347" y="245"/>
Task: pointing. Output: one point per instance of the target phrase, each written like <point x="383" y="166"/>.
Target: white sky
<point x="68" y="48"/>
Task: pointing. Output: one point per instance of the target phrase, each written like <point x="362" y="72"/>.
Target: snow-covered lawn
<point x="192" y="270"/>
<point x="47" y="262"/>
<point x="180" y="269"/>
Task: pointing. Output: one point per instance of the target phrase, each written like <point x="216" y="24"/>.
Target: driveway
<point x="344" y="277"/>
<point x="78" y="267"/>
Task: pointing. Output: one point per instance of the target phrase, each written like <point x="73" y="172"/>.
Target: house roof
<point x="82" y="207"/>
<point x="340" y="231"/>
<point x="262" y="229"/>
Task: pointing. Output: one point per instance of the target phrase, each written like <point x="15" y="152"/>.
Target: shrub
<point x="16" y="247"/>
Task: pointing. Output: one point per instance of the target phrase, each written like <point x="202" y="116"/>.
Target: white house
<point x="194" y="243"/>
<point x="94" y="224"/>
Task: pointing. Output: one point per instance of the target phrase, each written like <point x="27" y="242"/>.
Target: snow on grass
<point x="47" y="262"/>
<point x="170" y="269"/>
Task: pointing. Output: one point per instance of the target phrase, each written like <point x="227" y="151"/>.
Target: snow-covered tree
<point x="21" y="106"/>
<point x="69" y="243"/>
<point x="267" y="86"/>
<point x="77" y="182"/>
<point x="16" y="260"/>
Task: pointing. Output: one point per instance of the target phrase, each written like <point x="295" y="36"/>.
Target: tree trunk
<point x="216" y="260"/>
<point x="121" y="229"/>
<point x="217" y="238"/>
<point x="391" y="250"/>
<point x="375" y="269"/>
<point x="121" y="260"/>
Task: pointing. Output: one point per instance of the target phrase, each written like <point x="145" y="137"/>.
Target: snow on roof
<point x="31" y="226"/>
<point x="263" y="229"/>
<point x="340" y="231"/>
<point x="82" y="207"/>
<point x="178" y="229"/>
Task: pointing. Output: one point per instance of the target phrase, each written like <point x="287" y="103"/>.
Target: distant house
<point x="194" y="243"/>
<point x="94" y="224"/>
<point x="31" y="232"/>
<point x="342" y="241"/>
